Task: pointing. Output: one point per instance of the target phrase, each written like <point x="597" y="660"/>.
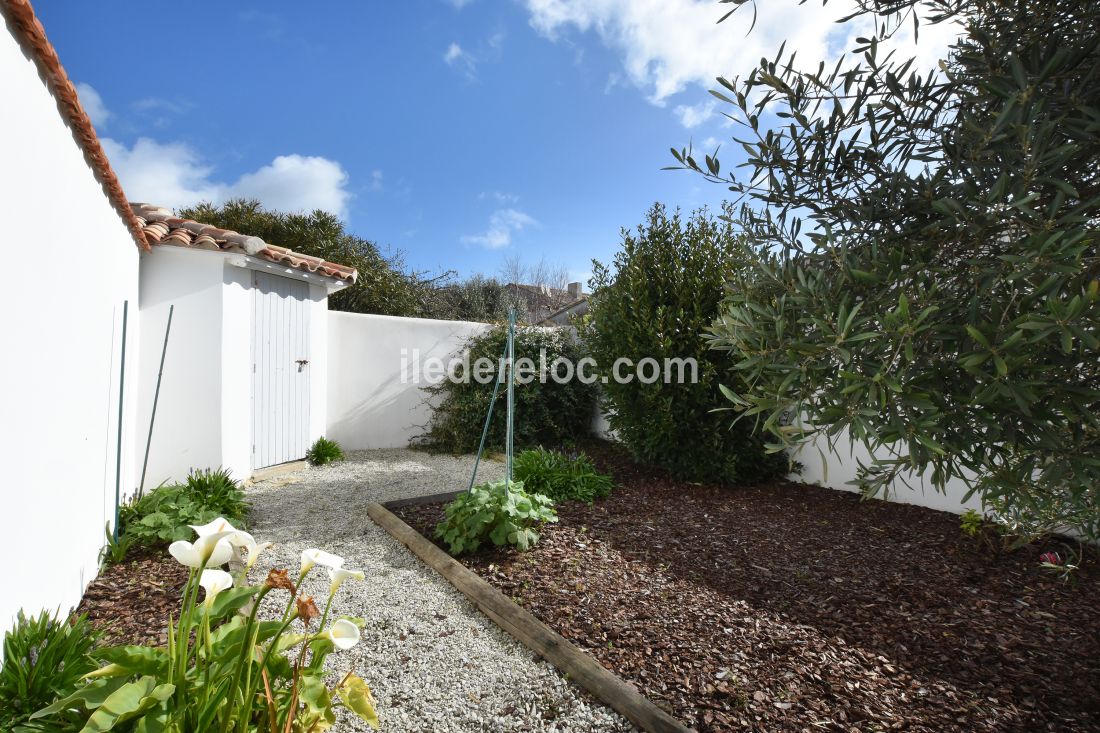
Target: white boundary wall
<point x="72" y="264"/>
<point x="372" y="400"/>
<point x="838" y="469"/>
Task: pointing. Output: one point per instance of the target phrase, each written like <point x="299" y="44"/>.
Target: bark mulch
<point x="789" y="607"/>
<point x="131" y="602"/>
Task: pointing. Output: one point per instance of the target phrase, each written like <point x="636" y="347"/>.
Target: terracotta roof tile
<point x="32" y="36"/>
<point x="161" y="226"/>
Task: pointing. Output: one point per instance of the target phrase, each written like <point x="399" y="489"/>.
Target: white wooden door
<point x="280" y="369"/>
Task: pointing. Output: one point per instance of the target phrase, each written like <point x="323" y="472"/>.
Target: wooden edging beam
<point x="580" y="667"/>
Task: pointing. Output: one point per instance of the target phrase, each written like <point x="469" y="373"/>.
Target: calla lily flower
<point x="214" y="582"/>
<point x="338" y="576"/>
<point x="313" y="556"/>
<point x="221" y="524"/>
<point x="211" y="549"/>
<point x="343" y="634"/>
<point x="254" y="551"/>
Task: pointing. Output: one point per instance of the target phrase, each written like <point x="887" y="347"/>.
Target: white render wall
<point x="836" y="470"/>
<point x="72" y="263"/>
<point x="369" y="404"/>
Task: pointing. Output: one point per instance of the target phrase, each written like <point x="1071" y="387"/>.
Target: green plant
<point x="561" y="477"/>
<point x="44" y="658"/>
<point x="664" y="289"/>
<point x="324" y="451"/>
<point x="498" y="511"/>
<point x="923" y="268"/>
<point x="223" y="669"/>
<point x="972" y="523"/>
<point x="547" y="412"/>
<point x="164" y="514"/>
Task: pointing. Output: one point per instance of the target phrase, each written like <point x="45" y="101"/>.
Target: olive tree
<point x="922" y="254"/>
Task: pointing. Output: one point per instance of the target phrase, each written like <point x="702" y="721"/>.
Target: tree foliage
<point x="384" y="285"/>
<point x="661" y="291"/>
<point x="923" y="254"/>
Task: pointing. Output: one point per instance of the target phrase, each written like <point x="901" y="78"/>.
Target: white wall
<point x="70" y="265"/>
<point x="836" y="470"/>
<point x="189" y="420"/>
<point x="369" y="405"/>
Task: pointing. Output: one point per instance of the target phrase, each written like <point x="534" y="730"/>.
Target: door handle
<point x="301" y="363"/>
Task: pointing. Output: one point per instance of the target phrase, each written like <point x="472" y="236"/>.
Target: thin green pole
<point x="488" y="418"/>
<point x="121" y="395"/>
<point x="511" y="388"/>
<point x="156" y="398"/>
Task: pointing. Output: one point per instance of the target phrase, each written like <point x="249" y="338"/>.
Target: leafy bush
<point x="44" y="659"/>
<point x="505" y="514"/>
<point x="324" y="451"/>
<point x="223" y="669"/>
<point x="164" y="514"/>
<point x="547" y="413"/>
<point x="561" y="477"/>
<point x="924" y="261"/>
<point x="665" y="289"/>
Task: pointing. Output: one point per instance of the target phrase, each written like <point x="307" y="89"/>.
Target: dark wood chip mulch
<point x="131" y="602"/>
<point x="789" y="607"/>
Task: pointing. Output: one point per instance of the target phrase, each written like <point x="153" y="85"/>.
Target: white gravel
<point x="433" y="661"/>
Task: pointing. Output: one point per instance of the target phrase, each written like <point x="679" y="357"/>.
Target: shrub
<point x="664" y="290"/>
<point x="324" y="451"/>
<point x="547" y="413"/>
<point x="223" y="669"/>
<point x="923" y="267"/>
<point x="164" y="514"/>
<point x="498" y="511"/>
<point x="561" y="477"/>
<point x="44" y="658"/>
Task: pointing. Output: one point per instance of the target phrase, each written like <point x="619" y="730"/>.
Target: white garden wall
<point x="72" y="263"/>
<point x="836" y="470"/>
<point x="369" y="404"/>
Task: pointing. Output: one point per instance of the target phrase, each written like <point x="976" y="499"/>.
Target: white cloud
<point x="708" y="144"/>
<point x="668" y="46"/>
<point x="502" y="225"/>
<point x="695" y="115"/>
<point x="458" y="58"/>
<point x="459" y="4"/>
<point x="502" y="197"/>
<point x="376" y="180"/>
<point x="174" y="175"/>
<point x="93" y="104"/>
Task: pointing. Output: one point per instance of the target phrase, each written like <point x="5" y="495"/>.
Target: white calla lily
<point x="337" y="577"/>
<point x="254" y="551"/>
<point x="221" y="524"/>
<point x="313" y="556"/>
<point x="214" y="582"/>
<point x="212" y="549"/>
<point x="343" y="634"/>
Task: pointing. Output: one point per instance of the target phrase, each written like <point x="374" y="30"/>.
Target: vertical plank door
<point x="280" y="369"/>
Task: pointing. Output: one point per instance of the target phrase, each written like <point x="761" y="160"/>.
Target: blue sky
<point x="460" y="131"/>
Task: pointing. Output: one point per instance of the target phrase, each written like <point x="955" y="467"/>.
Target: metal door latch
<point x="301" y="363"/>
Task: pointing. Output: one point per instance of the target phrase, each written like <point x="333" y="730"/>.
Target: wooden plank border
<point x="581" y="667"/>
<point x="446" y="496"/>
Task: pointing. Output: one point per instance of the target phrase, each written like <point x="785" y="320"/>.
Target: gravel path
<point x="433" y="661"/>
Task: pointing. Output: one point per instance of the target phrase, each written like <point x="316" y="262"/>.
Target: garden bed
<point x="130" y="602"/>
<point x="788" y="607"/>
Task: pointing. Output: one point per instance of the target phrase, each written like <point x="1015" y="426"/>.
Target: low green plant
<point x="324" y="451"/>
<point x="44" y="658"/>
<point x="972" y="523"/>
<point x="164" y="514"/>
<point x="499" y="511"/>
<point x="561" y="477"/>
<point x="223" y="669"/>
